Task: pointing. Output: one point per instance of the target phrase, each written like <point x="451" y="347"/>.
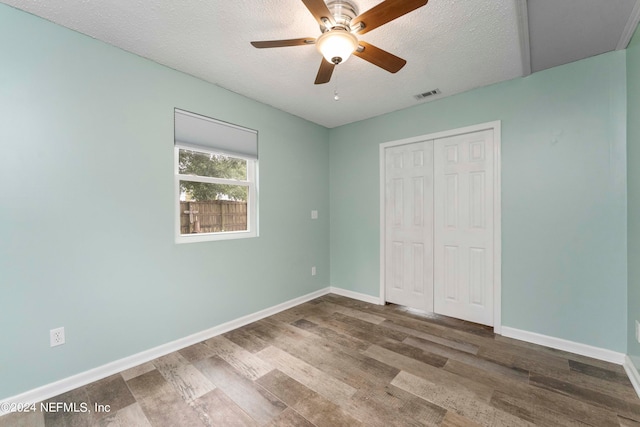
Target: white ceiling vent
<point x="425" y="94"/>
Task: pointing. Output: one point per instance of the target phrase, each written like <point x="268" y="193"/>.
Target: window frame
<point x="252" y="196"/>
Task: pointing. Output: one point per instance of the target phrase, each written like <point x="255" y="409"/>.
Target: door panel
<point x="463" y="226"/>
<point x="450" y="274"/>
<point x="450" y="201"/>
<point x="409" y="225"/>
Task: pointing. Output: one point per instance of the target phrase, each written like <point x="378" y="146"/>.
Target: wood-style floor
<point x="340" y="362"/>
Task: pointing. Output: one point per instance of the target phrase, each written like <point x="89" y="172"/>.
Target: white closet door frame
<point x="497" y="217"/>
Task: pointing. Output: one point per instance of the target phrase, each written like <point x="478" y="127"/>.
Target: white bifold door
<point x="439" y="225"/>
<point x="463" y="234"/>
<point x="409" y="225"/>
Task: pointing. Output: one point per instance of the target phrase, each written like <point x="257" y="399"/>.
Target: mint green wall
<point x="86" y="211"/>
<point x="563" y="195"/>
<point x="633" y="184"/>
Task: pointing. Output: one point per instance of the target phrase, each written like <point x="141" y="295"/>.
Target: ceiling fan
<point x="339" y="23"/>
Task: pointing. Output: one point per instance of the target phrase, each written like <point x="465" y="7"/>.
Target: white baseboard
<point x="62" y="386"/>
<point x="565" y="345"/>
<point x="633" y="374"/>
<point x="355" y="295"/>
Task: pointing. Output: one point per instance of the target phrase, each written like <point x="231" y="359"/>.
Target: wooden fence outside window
<point x="212" y="216"/>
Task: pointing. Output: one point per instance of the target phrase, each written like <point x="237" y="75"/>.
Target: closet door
<point x="463" y="226"/>
<point x="409" y="225"/>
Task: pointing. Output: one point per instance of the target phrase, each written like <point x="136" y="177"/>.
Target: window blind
<point x="200" y="132"/>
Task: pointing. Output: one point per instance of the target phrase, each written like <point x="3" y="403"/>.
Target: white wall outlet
<point x="313" y="270"/>
<point x="314" y="214"/>
<point x="638" y="331"/>
<point x="56" y="337"/>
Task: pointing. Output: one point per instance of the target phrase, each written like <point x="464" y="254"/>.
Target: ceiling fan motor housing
<point x="343" y="12"/>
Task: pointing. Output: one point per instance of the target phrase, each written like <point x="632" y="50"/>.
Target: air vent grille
<point x="426" y="94"/>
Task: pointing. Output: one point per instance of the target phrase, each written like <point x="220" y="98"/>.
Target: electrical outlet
<point x="314" y="214"/>
<point x="313" y="270"/>
<point x="56" y="337"/>
<point x="637" y="331"/>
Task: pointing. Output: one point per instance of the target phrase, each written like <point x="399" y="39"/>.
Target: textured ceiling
<point x="452" y="45"/>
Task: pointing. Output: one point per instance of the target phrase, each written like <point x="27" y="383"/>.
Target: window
<point x="215" y="179"/>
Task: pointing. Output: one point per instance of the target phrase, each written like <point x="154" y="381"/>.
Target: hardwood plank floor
<point x="335" y="362"/>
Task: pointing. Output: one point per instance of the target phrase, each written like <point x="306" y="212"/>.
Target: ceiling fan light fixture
<point x="337" y="45"/>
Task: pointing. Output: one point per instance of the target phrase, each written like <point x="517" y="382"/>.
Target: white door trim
<point x="497" y="204"/>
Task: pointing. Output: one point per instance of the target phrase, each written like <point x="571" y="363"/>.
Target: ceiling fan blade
<point x="325" y="71"/>
<point x="385" y="12"/>
<point x="379" y="57"/>
<point x="319" y="10"/>
<point x="283" y="43"/>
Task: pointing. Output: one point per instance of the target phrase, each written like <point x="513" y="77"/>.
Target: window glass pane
<point x="212" y="208"/>
<point x="211" y="165"/>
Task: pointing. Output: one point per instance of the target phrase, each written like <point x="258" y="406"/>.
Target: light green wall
<point x="633" y="184"/>
<point x="563" y="195"/>
<point x="86" y="211"/>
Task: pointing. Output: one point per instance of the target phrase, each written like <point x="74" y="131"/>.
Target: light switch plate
<point x="314" y="214"/>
